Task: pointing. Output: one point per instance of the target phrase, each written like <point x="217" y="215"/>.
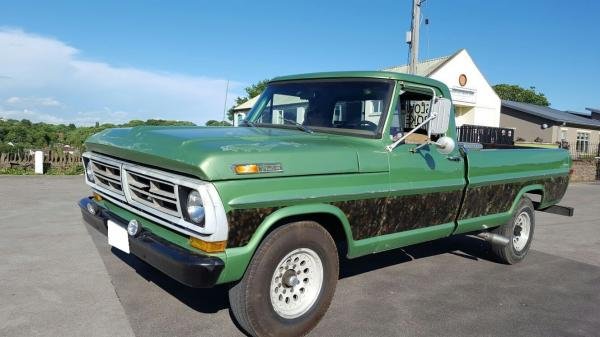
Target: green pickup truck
<point x="325" y="164"/>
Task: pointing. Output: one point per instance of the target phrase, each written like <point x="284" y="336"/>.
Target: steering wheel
<point x="368" y="124"/>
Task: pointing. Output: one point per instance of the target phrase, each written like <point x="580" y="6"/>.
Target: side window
<point x="412" y="110"/>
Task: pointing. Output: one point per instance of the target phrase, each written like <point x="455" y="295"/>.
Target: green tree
<point x="26" y="135"/>
<point x="213" y="122"/>
<point x="251" y="91"/>
<point x="513" y="92"/>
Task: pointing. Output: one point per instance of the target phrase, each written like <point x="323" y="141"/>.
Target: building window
<point x="564" y="135"/>
<point x="377" y="107"/>
<point x="338" y="111"/>
<point x="583" y="141"/>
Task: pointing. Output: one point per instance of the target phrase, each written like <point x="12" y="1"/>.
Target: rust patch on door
<point x="373" y="217"/>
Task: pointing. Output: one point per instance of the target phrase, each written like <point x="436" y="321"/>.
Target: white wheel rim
<point x="521" y="231"/>
<point x="296" y="283"/>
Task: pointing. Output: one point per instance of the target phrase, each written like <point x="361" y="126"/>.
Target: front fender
<point x="238" y="258"/>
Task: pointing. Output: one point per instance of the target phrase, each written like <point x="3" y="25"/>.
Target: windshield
<point x="356" y="106"/>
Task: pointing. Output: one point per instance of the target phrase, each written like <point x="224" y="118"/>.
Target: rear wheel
<point x="520" y="232"/>
<point x="289" y="283"/>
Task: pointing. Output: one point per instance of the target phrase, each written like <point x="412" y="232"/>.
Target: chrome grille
<point x="152" y="192"/>
<point x="155" y="194"/>
<point x="107" y="176"/>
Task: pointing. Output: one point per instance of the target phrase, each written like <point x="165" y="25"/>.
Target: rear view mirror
<point x="441" y="109"/>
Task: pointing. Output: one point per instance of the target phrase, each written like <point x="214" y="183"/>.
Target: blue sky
<point x="111" y="61"/>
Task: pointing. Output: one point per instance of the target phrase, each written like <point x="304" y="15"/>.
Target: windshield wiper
<point x="298" y="125"/>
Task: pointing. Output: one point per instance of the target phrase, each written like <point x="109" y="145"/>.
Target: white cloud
<point x="44" y="79"/>
<point x="32" y="116"/>
<point x="15" y="101"/>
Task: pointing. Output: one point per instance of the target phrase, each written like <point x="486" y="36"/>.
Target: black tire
<point x="250" y="299"/>
<point x="509" y="254"/>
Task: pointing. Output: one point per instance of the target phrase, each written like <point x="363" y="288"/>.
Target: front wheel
<point x="289" y="283"/>
<point x="520" y="232"/>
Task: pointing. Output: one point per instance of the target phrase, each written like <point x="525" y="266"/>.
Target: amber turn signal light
<point x="97" y="197"/>
<point x="246" y="169"/>
<point x="209" y="247"/>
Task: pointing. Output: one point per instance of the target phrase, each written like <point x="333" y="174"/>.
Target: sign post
<point x="39" y="162"/>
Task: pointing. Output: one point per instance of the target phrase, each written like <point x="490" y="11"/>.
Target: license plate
<point x="118" y="237"/>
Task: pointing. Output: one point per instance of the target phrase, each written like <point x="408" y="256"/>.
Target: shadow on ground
<point x="214" y="299"/>
<point x="461" y="245"/>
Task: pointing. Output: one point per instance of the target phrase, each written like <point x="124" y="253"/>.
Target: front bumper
<point x="188" y="267"/>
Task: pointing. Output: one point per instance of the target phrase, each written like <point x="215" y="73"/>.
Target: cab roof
<point x="390" y="75"/>
<point x="365" y="74"/>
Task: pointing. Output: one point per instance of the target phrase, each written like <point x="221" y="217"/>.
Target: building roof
<point x="594" y="110"/>
<point x="281" y="100"/>
<point x="551" y="114"/>
<point x="579" y="113"/>
<point x="426" y="67"/>
<point x="247" y="105"/>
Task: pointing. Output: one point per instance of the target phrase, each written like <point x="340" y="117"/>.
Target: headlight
<point x="89" y="172"/>
<point x="195" y="208"/>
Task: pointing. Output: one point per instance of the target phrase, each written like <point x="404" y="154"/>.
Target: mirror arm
<point x="417" y="148"/>
<point x="428" y="142"/>
<point x="392" y="146"/>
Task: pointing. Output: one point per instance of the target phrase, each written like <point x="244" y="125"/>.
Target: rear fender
<point x="527" y="189"/>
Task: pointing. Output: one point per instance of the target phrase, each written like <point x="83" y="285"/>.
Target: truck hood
<point x="209" y="152"/>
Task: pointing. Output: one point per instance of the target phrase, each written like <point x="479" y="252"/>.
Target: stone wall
<point x="584" y="170"/>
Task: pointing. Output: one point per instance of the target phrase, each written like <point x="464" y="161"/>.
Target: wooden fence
<point x="51" y="158"/>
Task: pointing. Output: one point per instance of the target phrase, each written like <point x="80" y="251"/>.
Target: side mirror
<point x="445" y="145"/>
<point x="441" y="109"/>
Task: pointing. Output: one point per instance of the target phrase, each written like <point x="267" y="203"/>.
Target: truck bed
<point x="498" y="177"/>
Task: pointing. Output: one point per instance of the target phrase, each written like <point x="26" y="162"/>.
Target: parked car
<point x="326" y="164"/>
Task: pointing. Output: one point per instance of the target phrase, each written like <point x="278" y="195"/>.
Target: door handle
<point x="453" y="158"/>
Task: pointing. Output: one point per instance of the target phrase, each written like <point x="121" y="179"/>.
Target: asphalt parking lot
<point x="60" y="278"/>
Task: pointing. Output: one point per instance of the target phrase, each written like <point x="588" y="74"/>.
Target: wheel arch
<point x="537" y="189"/>
<point x="328" y="216"/>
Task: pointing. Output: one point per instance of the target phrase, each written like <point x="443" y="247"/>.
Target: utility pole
<point x="414" y="37"/>
<point x="225" y="103"/>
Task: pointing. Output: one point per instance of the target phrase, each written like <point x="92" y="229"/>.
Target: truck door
<point x="426" y="187"/>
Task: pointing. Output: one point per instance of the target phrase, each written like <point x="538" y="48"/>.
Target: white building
<point x="475" y="100"/>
